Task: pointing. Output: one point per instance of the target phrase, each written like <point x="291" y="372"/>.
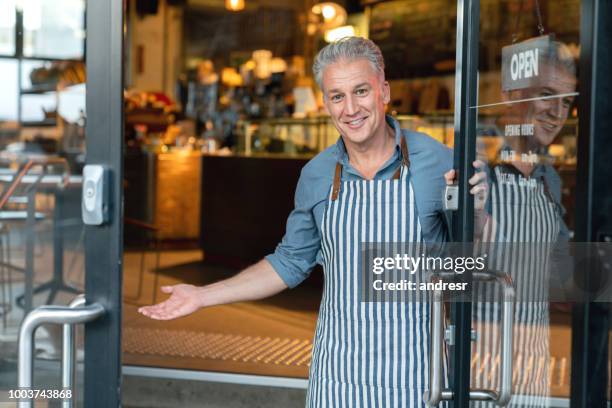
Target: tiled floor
<point x="268" y="337"/>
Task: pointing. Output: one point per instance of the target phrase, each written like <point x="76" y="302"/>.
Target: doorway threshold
<point x="210" y="376"/>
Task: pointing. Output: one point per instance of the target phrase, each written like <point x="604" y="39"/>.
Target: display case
<point x="287" y="135"/>
<point x="309" y="136"/>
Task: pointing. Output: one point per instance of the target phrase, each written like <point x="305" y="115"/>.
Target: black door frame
<point x="466" y="95"/>
<point x="104" y="244"/>
<point x="590" y="321"/>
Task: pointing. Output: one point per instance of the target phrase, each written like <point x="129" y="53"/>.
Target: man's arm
<point x="258" y="281"/>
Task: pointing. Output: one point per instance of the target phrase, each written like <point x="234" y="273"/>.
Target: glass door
<point x="60" y="111"/>
<point x="527" y="75"/>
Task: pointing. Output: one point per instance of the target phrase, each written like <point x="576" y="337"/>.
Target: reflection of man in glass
<point x="549" y="101"/>
<point x="525" y="222"/>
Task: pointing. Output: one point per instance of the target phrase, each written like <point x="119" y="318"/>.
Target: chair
<point x="13" y="199"/>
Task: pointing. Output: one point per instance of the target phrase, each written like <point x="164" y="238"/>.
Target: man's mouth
<point x="356" y="123"/>
<point x="548" y="126"/>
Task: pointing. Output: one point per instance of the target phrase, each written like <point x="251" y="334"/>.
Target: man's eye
<point x="361" y="92"/>
<point x="336" y="98"/>
<point x="545" y="93"/>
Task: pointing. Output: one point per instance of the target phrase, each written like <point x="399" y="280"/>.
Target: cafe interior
<point x="221" y="113"/>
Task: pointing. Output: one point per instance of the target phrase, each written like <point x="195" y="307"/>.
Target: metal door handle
<point x="50" y="314"/>
<point x="436" y="392"/>
<point x="501" y="397"/>
<point x="436" y="346"/>
<point x="69" y="354"/>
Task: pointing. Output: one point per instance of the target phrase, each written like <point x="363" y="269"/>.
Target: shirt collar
<point x="342" y="155"/>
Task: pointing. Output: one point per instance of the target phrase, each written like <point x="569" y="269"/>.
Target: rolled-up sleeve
<point x="296" y="254"/>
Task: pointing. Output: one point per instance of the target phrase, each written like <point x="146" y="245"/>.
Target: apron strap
<point x="396" y="175"/>
<point x="405" y="159"/>
<point x="336" y="185"/>
<point x="404" y="150"/>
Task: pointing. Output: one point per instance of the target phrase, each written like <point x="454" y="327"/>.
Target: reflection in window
<point x="54" y="28"/>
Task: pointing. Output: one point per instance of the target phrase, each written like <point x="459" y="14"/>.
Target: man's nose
<point x="555" y="108"/>
<point x="351" y="107"/>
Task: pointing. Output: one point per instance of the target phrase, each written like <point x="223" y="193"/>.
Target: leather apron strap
<point x="396" y="175"/>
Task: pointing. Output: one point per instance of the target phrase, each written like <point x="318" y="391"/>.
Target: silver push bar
<point x="436" y="392"/>
<point x="74" y="314"/>
<point x="69" y="355"/>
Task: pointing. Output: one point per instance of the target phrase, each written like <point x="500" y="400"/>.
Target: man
<point x="379" y="183"/>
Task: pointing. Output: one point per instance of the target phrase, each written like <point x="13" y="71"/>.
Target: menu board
<point x="414" y="35"/>
<point x="417" y="37"/>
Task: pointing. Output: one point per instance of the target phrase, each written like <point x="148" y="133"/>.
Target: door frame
<point x="462" y="227"/>
<point x="591" y="321"/>
<point x="104" y="244"/>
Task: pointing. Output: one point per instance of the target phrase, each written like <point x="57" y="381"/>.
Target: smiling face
<point x="548" y="115"/>
<point x="355" y="95"/>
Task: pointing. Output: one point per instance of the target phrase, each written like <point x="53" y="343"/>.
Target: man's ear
<point x="386" y="92"/>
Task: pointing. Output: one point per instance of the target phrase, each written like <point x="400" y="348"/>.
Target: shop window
<point x="54" y="28"/>
<point x="7" y="27"/>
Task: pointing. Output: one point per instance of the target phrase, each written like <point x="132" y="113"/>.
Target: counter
<point x="245" y="203"/>
<point x="163" y="189"/>
<point x="235" y="205"/>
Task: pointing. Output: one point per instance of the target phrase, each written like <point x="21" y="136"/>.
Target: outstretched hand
<point x="184" y="299"/>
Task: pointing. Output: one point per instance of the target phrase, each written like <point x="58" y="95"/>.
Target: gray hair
<point x="350" y="49"/>
<point x="560" y="55"/>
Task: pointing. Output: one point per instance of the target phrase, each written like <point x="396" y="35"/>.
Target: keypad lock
<point x="450" y="200"/>
<point x="94" y="202"/>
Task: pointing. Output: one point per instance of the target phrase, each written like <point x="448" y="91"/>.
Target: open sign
<point x="521" y="62"/>
<point x="524" y="64"/>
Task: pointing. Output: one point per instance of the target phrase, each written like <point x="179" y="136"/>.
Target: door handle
<point x="436" y="392"/>
<point x="501" y="397"/>
<point x="436" y="348"/>
<point x="48" y="314"/>
<point x="69" y="354"/>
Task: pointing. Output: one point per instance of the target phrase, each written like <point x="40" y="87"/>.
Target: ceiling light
<point x="340" y="32"/>
<point x="330" y="14"/>
<point x="234" y="5"/>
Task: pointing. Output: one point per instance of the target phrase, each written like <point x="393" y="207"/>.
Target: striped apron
<point x="523" y="214"/>
<point x="367" y="354"/>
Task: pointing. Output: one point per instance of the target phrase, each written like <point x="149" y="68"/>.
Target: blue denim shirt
<point x="300" y="248"/>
